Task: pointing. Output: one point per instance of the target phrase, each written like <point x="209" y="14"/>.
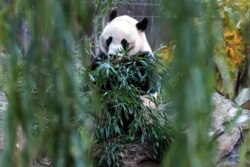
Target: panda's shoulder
<point x="146" y="54"/>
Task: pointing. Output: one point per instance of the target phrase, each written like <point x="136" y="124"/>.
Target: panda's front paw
<point x="149" y="101"/>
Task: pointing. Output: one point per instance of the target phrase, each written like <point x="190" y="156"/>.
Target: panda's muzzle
<point x="116" y="56"/>
<point x="115" y="51"/>
<point x="111" y="55"/>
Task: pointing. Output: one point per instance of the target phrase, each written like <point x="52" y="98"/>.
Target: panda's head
<point x="124" y="33"/>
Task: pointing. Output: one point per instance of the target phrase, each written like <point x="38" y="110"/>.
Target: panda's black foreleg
<point x="95" y="61"/>
<point x="126" y="122"/>
<point x="123" y="120"/>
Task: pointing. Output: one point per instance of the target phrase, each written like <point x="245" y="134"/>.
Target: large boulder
<point x="230" y="123"/>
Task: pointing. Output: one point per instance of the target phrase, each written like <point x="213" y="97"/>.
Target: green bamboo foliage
<point x="193" y="32"/>
<point x="245" y="152"/>
<point x="44" y="97"/>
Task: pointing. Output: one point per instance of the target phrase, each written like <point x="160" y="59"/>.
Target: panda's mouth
<point x="120" y="55"/>
<point x="116" y="58"/>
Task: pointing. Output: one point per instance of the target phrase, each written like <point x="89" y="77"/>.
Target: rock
<point x="134" y="154"/>
<point x="243" y="99"/>
<point x="3" y="102"/>
<point x="228" y="127"/>
<point x="225" y="111"/>
<point x="42" y="161"/>
<point x="3" y="108"/>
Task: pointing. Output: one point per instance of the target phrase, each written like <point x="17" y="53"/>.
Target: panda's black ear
<point x="142" y="25"/>
<point x="112" y="15"/>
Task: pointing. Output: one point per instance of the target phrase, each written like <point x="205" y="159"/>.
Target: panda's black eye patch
<point x="124" y="43"/>
<point x="108" y="41"/>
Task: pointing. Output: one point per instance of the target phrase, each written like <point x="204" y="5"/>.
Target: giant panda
<point x="121" y="33"/>
<point x="124" y="31"/>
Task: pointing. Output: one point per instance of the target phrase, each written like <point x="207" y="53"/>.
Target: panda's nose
<point x="111" y="54"/>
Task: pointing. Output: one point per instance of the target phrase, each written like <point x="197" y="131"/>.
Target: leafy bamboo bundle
<point x="121" y="81"/>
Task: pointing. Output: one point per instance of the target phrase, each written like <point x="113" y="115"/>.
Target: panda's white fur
<point x="124" y="27"/>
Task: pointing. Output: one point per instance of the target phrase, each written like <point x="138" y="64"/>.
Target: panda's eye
<point x="124" y="43"/>
<point x="108" y="41"/>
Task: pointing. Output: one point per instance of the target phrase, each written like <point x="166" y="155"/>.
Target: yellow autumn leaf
<point x="234" y="57"/>
<point x="166" y="52"/>
<point x="235" y="48"/>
